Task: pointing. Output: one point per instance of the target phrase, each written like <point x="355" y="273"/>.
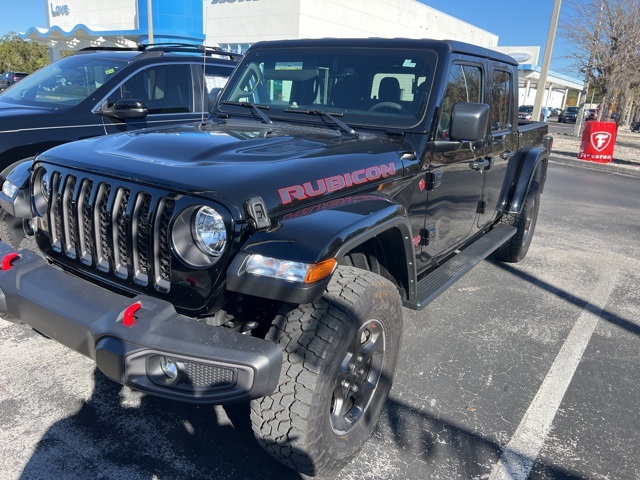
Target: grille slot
<point x="162" y="254"/>
<point x="113" y="228"/>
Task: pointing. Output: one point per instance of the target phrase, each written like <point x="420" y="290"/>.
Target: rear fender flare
<point x="523" y="168"/>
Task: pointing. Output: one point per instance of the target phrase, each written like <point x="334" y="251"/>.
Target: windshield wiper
<point x="253" y="106"/>
<point x="331" y="116"/>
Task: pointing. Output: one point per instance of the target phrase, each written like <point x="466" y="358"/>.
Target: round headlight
<point x="42" y="187"/>
<point x="210" y="232"/>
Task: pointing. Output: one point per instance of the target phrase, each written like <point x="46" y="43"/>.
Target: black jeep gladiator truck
<point x="265" y="254"/>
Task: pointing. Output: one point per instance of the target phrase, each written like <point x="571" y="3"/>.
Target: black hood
<point x="285" y="165"/>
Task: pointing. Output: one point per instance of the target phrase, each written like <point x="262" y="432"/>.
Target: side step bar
<point x="453" y="269"/>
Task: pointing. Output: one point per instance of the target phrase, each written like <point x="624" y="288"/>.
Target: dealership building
<point x="236" y="24"/>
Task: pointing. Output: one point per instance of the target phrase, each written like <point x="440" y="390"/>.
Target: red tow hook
<point x="128" y="316"/>
<point x="8" y="259"/>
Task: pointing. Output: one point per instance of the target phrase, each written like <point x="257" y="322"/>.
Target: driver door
<point x="457" y="176"/>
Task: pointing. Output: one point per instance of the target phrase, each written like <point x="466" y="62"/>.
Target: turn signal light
<point x="318" y="271"/>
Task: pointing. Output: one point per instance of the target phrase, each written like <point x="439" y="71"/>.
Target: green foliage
<point x="17" y="55"/>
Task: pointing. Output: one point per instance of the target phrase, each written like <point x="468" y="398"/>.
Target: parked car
<point x="525" y="112"/>
<point x="635" y="126"/>
<point x="569" y="114"/>
<point x="99" y="91"/>
<point x="591" y="114"/>
<point x="9" y="78"/>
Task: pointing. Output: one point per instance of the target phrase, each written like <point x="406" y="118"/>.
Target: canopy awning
<point x="81" y="36"/>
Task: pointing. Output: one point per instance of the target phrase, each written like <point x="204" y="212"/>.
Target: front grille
<point x="117" y="229"/>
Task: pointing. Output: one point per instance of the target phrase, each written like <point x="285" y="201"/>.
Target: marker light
<point x="9" y="189"/>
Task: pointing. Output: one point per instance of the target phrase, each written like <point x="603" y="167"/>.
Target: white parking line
<point x="522" y="450"/>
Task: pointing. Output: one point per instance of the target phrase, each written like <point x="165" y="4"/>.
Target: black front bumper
<point x="214" y="364"/>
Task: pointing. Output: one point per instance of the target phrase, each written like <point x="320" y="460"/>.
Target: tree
<point x="18" y="55"/>
<point x="606" y="39"/>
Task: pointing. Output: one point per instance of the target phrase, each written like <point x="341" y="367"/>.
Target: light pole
<point x="149" y="22"/>
<point x="544" y="73"/>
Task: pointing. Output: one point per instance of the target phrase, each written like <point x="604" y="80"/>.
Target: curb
<point x="600" y="167"/>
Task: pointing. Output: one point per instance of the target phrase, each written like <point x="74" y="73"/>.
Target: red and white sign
<point x="598" y="140"/>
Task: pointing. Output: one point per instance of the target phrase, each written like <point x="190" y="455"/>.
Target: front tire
<point x="12" y="229"/>
<point x="516" y="248"/>
<point x="339" y="357"/>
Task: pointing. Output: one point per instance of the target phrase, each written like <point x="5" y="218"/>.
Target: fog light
<point x="169" y="368"/>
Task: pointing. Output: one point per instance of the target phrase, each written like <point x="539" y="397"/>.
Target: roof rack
<point x="111" y="49"/>
<point x="186" y="48"/>
<point x="162" y="48"/>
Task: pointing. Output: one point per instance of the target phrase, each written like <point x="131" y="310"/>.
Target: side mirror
<point x="213" y="97"/>
<point x="127" y="108"/>
<point x="469" y="121"/>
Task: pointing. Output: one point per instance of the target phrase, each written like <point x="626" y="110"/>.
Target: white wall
<point x="248" y="21"/>
<point x="251" y="21"/>
<point x="555" y="100"/>
<point x="95" y="14"/>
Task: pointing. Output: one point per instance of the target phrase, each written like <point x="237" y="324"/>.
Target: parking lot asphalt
<point x="517" y="371"/>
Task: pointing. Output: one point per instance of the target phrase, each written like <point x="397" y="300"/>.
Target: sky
<point x="516" y="22"/>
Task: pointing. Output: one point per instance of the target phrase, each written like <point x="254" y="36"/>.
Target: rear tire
<point x="339" y="357"/>
<point x="517" y="247"/>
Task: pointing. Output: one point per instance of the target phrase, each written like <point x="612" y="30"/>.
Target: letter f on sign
<point x="600" y="140"/>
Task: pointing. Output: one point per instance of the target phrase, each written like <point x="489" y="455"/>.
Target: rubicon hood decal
<point x="336" y="182"/>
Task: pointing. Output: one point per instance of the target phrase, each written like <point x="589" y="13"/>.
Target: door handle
<point x="480" y="164"/>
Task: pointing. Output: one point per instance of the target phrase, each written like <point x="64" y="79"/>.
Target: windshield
<point x="63" y="83"/>
<point x="379" y="87"/>
<point x="526" y="109"/>
<point x="572" y="110"/>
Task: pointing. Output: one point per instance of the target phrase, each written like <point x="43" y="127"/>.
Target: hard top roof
<point x="441" y="46"/>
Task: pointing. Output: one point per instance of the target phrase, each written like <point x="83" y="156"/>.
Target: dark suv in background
<point x="9" y="78"/>
<point x="569" y="114"/>
<point x="100" y="91"/>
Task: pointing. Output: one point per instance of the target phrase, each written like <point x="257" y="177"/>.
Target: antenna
<point x="205" y="89"/>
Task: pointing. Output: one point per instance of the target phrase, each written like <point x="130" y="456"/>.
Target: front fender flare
<point x="316" y="233"/>
<point x="20" y="204"/>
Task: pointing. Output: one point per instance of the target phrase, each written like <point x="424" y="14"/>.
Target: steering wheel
<point x="392" y="105"/>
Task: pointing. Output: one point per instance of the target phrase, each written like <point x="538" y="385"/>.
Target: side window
<point x="500" y="100"/>
<point x="164" y="88"/>
<point x="464" y="85"/>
